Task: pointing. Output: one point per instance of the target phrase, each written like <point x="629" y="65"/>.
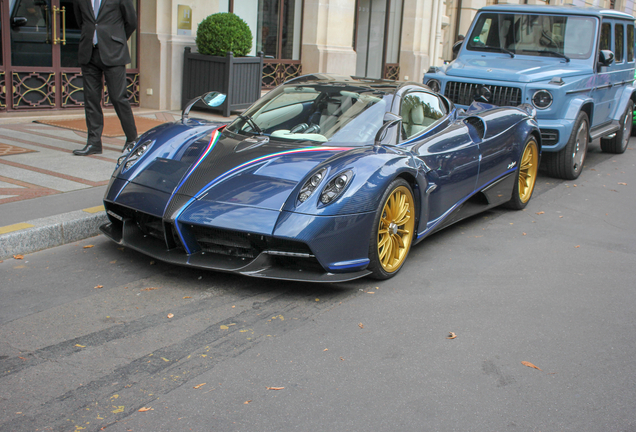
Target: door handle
<point x="56" y="39"/>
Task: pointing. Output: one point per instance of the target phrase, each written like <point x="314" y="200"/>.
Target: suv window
<point x="606" y="37"/>
<point x="572" y="36"/>
<point x="618" y="42"/>
<point x="630" y="43"/>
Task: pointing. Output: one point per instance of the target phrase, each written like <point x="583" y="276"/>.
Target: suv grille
<point x="464" y="94"/>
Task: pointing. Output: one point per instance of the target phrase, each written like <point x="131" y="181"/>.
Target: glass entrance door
<point x="377" y="38"/>
<point x="39" y="56"/>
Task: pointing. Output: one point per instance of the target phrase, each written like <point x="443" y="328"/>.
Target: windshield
<point x="537" y="35"/>
<point x="344" y="114"/>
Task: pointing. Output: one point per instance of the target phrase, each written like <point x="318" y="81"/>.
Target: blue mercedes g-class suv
<point x="574" y="65"/>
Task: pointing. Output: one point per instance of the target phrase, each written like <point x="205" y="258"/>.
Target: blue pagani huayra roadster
<point x="325" y="179"/>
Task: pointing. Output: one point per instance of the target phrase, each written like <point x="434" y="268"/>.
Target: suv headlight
<point x="434" y="85"/>
<point x="335" y="187"/>
<point x="542" y="99"/>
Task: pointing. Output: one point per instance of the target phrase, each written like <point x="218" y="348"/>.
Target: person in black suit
<point x="103" y="52"/>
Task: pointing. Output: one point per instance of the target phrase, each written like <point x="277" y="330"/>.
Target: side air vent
<point x="478" y="126"/>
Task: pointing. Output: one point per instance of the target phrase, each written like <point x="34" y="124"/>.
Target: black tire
<point x="618" y="144"/>
<point x="392" y="234"/>
<point x="568" y="163"/>
<point x="526" y="175"/>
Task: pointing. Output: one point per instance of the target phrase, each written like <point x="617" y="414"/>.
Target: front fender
<point x="373" y="169"/>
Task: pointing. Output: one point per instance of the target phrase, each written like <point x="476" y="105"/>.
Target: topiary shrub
<point x="223" y="32"/>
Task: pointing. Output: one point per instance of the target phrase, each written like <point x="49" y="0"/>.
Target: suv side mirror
<point x="456" y="47"/>
<point x="605" y="58"/>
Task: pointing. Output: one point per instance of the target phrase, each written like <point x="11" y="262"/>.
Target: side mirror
<point x="211" y="99"/>
<point x="18" y="22"/>
<point x="456" y="47"/>
<point x="605" y="58"/>
<point x="390" y="120"/>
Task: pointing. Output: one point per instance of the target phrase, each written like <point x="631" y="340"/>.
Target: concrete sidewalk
<point x="48" y="196"/>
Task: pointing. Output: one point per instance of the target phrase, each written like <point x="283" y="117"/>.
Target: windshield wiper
<point x="548" y="52"/>
<point x="496" y="48"/>
<point x="250" y="121"/>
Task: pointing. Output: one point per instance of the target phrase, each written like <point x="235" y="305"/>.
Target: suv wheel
<point x="618" y="144"/>
<point x="568" y="163"/>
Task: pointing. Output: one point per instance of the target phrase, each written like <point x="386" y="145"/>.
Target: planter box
<point x="240" y="78"/>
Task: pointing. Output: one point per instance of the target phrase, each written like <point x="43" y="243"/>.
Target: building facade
<point x="393" y="39"/>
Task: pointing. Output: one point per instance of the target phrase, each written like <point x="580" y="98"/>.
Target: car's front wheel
<point x="618" y="144"/>
<point x="393" y="230"/>
<point x="526" y="175"/>
<point x="568" y="163"/>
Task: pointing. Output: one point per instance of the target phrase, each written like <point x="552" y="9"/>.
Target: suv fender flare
<point x="628" y="93"/>
<point x="578" y="104"/>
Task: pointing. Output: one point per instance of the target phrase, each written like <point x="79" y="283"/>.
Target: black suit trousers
<point x="115" y="77"/>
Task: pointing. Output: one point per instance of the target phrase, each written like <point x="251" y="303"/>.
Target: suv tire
<point x="568" y="163"/>
<point x="618" y="144"/>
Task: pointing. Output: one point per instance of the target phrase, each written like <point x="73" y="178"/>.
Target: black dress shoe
<point x="128" y="146"/>
<point x="88" y="150"/>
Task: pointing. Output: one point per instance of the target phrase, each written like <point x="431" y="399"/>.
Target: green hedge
<point x="221" y="33"/>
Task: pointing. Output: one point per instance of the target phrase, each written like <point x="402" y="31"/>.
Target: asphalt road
<point x="164" y="348"/>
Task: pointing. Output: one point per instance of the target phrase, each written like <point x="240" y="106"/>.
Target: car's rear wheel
<point x="618" y="144"/>
<point x="393" y="230"/>
<point x="526" y="175"/>
<point x="568" y="163"/>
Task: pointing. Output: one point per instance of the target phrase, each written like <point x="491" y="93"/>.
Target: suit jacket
<point x="116" y="21"/>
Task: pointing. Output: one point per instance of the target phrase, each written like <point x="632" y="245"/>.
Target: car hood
<point x="228" y="169"/>
<point x="519" y="69"/>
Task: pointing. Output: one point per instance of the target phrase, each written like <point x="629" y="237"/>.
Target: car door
<point x="604" y="93"/>
<point x="450" y="154"/>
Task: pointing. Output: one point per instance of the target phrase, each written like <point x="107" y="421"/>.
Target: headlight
<point x="131" y="158"/>
<point x="434" y="85"/>
<point x="335" y="187"/>
<point x="542" y="99"/>
<point x="310" y="185"/>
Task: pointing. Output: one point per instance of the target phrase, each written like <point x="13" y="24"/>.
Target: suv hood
<point x="519" y="69"/>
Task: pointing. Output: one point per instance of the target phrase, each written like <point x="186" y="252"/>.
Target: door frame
<point x="60" y="88"/>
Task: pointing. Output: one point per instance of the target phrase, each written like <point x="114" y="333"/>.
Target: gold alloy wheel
<point x="395" y="231"/>
<point x="528" y="171"/>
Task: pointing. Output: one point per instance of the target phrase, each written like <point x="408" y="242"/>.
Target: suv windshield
<point x="317" y="112"/>
<point x="537" y="35"/>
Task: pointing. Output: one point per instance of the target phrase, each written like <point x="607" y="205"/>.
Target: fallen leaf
<point x="451" y="335"/>
<point x="540" y="213"/>
<point x="342" y="358"/>
<point x="370" y="292"/>
<point x="223" y="327"/>
<point x="88" y="246"/>
<point x="275" y="388"/>
<point x="326" y="349"/>
<point x="525" y="363"/>
<point x="187" y="297"/>
<point x="247" y="401"/>
<point x="621" y="183"/>
<point x="18" y="256"/>
<point x="170" y="315"/>
<point x="165" y="359"/>
<point x="113" y="262"/>
<point x="149" y="289"/>
<point x="99" y="286"/>
<point x="144" y="409"/>
<point x="574" y="185"/>
<point x="21" y="358"/>
<point x="81" y="346"/>
<point x="198" y="386"/>
<point x="361" y="325"/>
<point x="577" y="246"/>
<point x="524" y="233"/>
